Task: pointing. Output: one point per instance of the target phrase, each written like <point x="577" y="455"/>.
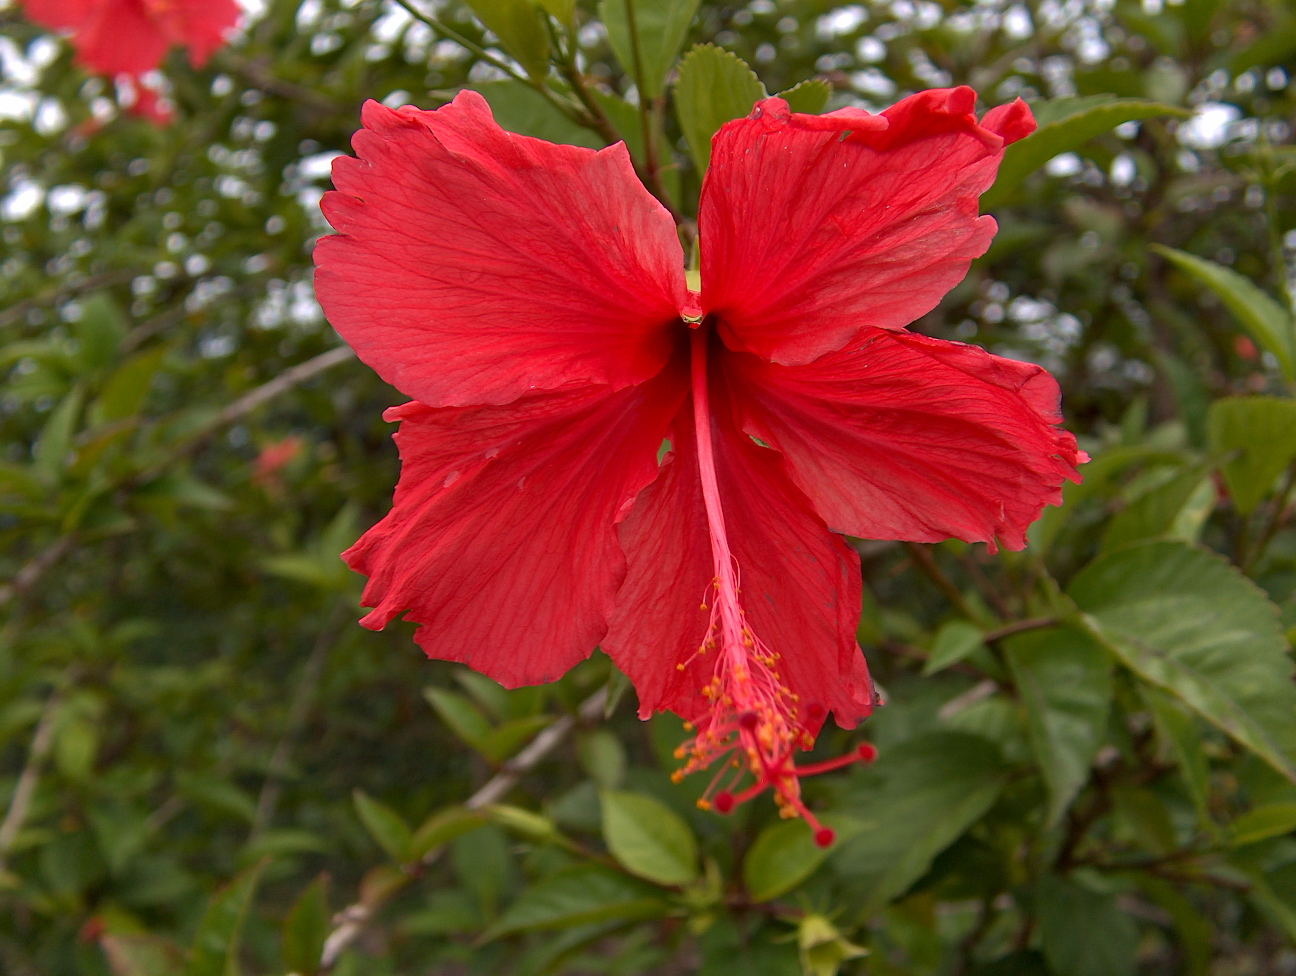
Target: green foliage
<point x="648" y="839"/>
<point x="305" y="929"/>
<point x="1185" y="620"/>
<point x="1065" y="125"/>
<point x="1086" y="751"/>
<point x="714" y="86"/>
<point x="1263" y="318"/>
<point x="1065" y="681"/>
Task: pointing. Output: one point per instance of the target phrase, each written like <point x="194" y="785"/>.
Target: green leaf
<point x="1262" y="430"/>
<point x="1186" y="620"/>
<point x="124" y="392"/>
<point x="954" y="641"/>
<point x="55" y="441"/>
<point x="141" y="954"/>
<point x="578" y="896"/>
<point x="625" y="119"/>
<point x="1167" y="510"/>
<point x="561" y="10"/>
<point x="464" y="718"/>
<point x="520" y="27"/>
<point x="1262" y="823"/>
<point x="1066" y="125"/>
<point x="915" y="801"/>
<point x="490" y="695"/>
<point x="603" y="757"/>
<point x="810" y="97"/>
<point x="1064" y="678"/>
<point x="648" y="838"/>
<point x="218" y="794"/>
<point x="1267" y="322"/>
<point x="506" y="739"/>
<point x="215" y="947"/>
<point x="1084" y="933"/>
<point x="305" y="929"/>
<point x="1177" y="727"/>
<point x="533" y="826"/>
<point x="1195" y="931"/>
<point x="441" y="828"/>
<point x="1100" y="475"/>
<point x="521" y="109"/>
<point x="385" y="825"/>
<point x="99" y="332"/>
<point x="784" y="854"/>
<point x="663" y="25"/>
<point x="714" y="86"/>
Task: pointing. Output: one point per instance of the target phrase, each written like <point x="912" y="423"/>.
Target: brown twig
<point x="261" y="77"/>
<point x="42" y="743"/>
<point x="351" y="921"/>
<point x="1020" y="626"/>
<point x="31" y="573"/>
<point x="925" y="561"/>
<point x="106" y="280"/>
<point x="247" y="403"/>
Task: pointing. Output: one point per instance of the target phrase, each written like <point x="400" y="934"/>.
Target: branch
<point x="350" y="922"/>
<point x="31" y="574"/>
<point x="106" y="280"/>
<point x="259" y="76"/>
<point x="245" y="404"/>
<point x="42" y="742"/>
<point x="925" y="561"/>
<point x="1021" y="626"/>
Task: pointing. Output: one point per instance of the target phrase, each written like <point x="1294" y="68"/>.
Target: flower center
<point x="753" y="722"/>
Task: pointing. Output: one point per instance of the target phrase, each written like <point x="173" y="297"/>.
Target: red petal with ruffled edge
<point x="502" y="542"/>
<point x="813" y="227"/>
<point x="900" y="436"/>
<point x="110" y="36"/>
<point x="60" y="14"/>
<point x="801" y="587"/>
<point x="473" y="265"/>
<point x="131" y="37"/>
<point x="201" y="26"/>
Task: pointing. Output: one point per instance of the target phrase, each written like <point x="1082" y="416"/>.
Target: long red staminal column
<point x="753" y="723"/>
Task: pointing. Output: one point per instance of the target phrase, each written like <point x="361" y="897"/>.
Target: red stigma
<point x="724" y="802"/>
<point x="825" y="836"/>
<point x="748" y="721"/>
<point x="867" y="752"/>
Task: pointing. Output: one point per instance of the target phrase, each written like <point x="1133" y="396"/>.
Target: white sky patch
<point x="1209" y="127"/>
<point x="1067" y="164"/>
<point x="23" y="201"/>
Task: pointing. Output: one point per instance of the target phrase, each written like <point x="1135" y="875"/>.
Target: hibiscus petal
<point x="900" y="436"/>
<point x="473" y="265"/>
<point x="118" y="37"/>
<point x="201" y="26"/>
<point x="59" y="14"/>
<point x="502" y="541"/>
<point x="812" y="227"/>
<point x="801" y="587"/>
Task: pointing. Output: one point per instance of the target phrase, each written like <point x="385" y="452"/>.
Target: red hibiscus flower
<point x="596" y="454"/>
<point x="131" y="37"/>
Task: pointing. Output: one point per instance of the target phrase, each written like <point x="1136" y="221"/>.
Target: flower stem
<point x="649" y="108"/>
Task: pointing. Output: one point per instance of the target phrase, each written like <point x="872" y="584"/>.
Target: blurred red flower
<point x="274" y="458"/>
<point x="131" y="37"/>
<point x="596" y="454"/>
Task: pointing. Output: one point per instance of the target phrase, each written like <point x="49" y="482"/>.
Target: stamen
<point x="753" y="720"/>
